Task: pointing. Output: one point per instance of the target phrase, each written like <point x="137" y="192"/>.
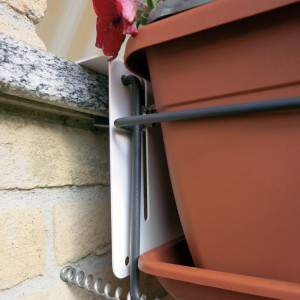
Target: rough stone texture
<point x="35" y="296"/>
<point x="36" y="75"/>
<point x="22" y="246"/>
<point x="65" y="292"/>
<point x="80" y="228"/>
<point x="40" y="154"/>
<point x="18" y="26"/>
<point x="61" y="291"/>
<point x="48" y="286"/>
<point x="33" y="9"/>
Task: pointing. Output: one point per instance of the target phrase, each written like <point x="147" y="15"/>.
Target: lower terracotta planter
<point x="236" y="180"/>
<point x="173" y="266"/>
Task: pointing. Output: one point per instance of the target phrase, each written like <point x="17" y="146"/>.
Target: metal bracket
<point x="78" y="278"/>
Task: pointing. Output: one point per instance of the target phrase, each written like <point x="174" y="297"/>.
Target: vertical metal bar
<point x="135" y="207"/>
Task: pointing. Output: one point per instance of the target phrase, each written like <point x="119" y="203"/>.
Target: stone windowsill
<point x="40" y="77"/>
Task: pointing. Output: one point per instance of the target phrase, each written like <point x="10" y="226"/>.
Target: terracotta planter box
<point x="236" y="180"/>
<point x="173" y="266"/>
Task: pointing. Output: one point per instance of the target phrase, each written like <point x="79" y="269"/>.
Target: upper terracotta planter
<point x="235" y="180"/>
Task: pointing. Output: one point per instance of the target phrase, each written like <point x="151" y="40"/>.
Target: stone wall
<point x="54" y="175"/>
<point x="54" y="166"/>
<point x="54" y="203"/>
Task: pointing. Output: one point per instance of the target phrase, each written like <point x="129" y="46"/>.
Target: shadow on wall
<point x="68" y="29"/>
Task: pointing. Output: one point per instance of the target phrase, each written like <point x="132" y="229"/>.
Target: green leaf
<point x="143" y="19"/>
<point x="152" y="3"/>
<point x="143" y="15"/>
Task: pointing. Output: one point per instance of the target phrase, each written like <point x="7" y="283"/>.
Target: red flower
<point x="115" y="19"/>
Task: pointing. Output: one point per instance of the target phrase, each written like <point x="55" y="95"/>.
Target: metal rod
<point x="135" y="206"/>
<point x="101" y="126"/>
<point x="210" y="112"/>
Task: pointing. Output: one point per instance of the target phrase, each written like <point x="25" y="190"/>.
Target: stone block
<point x="41" y="154"/>
<point x="81" y="228"/>
<point x="60" y="291"/>
<point x="22" y="245"/>
<point x="33" y="9"/>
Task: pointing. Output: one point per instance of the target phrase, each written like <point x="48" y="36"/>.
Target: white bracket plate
<point x="159" y="219"/>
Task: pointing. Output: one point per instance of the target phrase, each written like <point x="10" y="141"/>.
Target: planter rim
<point x="198" y="19"/>
<point x="155" y="262"/>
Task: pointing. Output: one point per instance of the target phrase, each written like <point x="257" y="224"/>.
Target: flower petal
<point x="130" y="29"/>
<point x="109" y="38"/>
<point x="129" y="9"/>
<point x="115" y="19"/>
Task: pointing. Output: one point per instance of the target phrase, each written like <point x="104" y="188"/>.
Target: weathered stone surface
<point x="81" y="228"/>
<point x="36" y="75"/>
<point x="33" y="9"/>
<point x="61" y="291"/>
<point x="35" y="296"/>
<point x="64" y="292"/>
<point x="19" y="27"/>
<point x="40" y="154"/>
<point x="22" y="246"/>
